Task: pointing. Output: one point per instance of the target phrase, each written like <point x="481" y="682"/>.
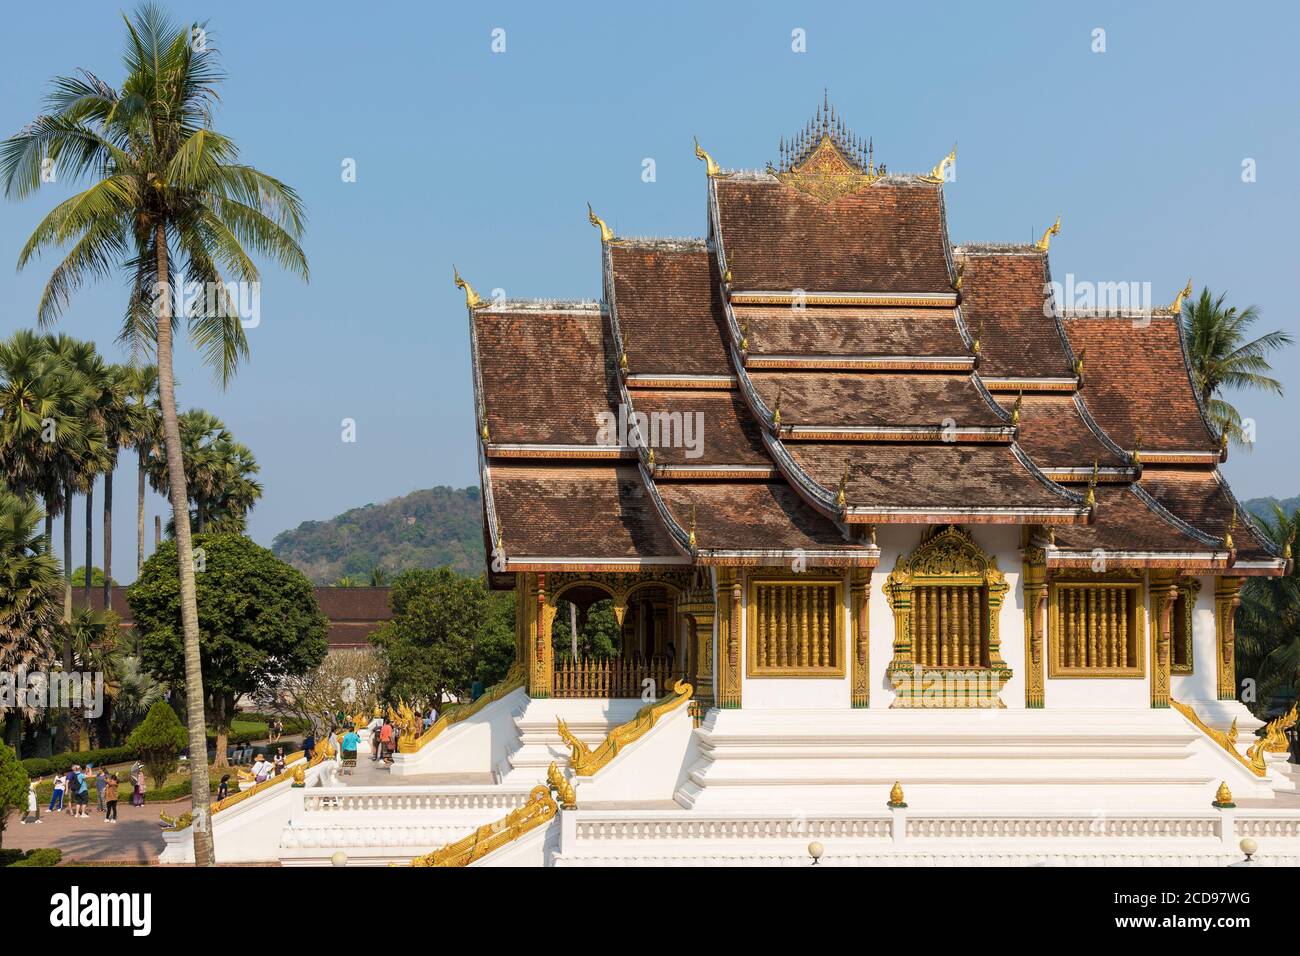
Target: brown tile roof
<point x="889" y="237"/>
<point x="1136" y="383"/>
<point x="668" y="311"/>
<point x="545" y="376"/>
<point x="1202" y="498"/>
<point x="823" y="330"/>
<point x="1127" y="523"/>
<point x="1002" y="298"/>
<point x="1054" y="434"/>
<point x="927" y="476"/>
<point x="597" y="511"/>
<point x="876" y="398"/>
<point x="729" y="434"/>
<point x="750" y="516"/>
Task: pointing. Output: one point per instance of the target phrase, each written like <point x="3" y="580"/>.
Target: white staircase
<point x="1094" y="762"/>
<point x="538" y="741"/>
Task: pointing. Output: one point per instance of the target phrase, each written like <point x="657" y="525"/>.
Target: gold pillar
<point x="729" y="618"/>
<point x="521" y="620"/>
<point x="1164" y="591"/>
<point x="1227" y="598"/>
<point x="541" y="669"/>
<point x="860" y="607"/>
<point x="1034" y="578"/>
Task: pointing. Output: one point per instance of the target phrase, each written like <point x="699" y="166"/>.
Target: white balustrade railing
<point x="335" y="800"/>
<point x="1099" y="826"/>
<point x="690" y="825"/>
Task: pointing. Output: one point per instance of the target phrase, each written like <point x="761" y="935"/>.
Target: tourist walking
<point x="101" y="781"/>
<point x="385" y="739"/>
<point x="56" y="798"/>
<point x="374" y="743"/>
<point x="261" y="769"/>
<point x="279" y="761"/>
<point x="309" y="745"/>
<point x="110" y="798"/>
<point x="33" y="806"/>
<point x="81" y="795"/>
<point x="223" y="789"/>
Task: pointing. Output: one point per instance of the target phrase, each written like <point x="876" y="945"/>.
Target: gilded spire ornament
<point x="1053" y="230"/>
<point x="692" y="529"/>
<point x="896" y="797"/>
<point x="1227" y="535"/>
<point x="776" y="413"/>
<point x="472" y="299"/>
<point x="1015" y="409"/>
<point x="1223" y="797"/>
<point x="622" y="361"/>
<point x="1078" y="363"/>
<point x="650" y="459"/>
<point x="1137" y="448"/>
<point x="842" y="496"/>
<point x="1177" y="306"/>
<point x="710" y="167"/>
<point x="976" y="345"/>
<point x="482" y="414"/>
<point x="1286" y="548"/>
<point x="606" y="234"/>
<point x="744" y="335"/>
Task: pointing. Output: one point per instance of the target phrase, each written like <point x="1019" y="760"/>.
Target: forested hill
<point x="1263" y="507"/>
<point x="425" y="529"/>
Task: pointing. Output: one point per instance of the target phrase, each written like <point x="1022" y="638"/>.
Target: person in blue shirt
<point x="349" y="745"/>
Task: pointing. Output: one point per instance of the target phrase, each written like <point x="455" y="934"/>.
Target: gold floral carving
<point x="1227" y="598"/>
<point x="538" y="811"/>
<point x="585" y="761"/>
<point x="826" y="175"/>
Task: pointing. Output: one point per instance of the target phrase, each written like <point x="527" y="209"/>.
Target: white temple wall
<point x="1202" y="683"/>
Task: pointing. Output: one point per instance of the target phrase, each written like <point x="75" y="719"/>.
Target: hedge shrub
<point x="46" y="856"/>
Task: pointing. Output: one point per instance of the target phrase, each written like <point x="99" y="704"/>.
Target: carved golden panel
<point x="795" y="628"/>
<point x="827" y="175"/>
<point x="1097" y="627"/>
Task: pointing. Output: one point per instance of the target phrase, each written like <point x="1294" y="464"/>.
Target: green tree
<point x="168" y="194"/>
<point x="97" y="578"/>
<point x="218" y="474"/>
<point x="598" y="632"/>
<point x="29" y="595"/>
<point x="446" y="633"/>
<point x="258" y="617"/>
<point x="13" y="786"/>
<point x="1222" y="357"/>
<point x="1268" y="623"/>
<point x="159" y="740"/>
<point x="144" y="426"/>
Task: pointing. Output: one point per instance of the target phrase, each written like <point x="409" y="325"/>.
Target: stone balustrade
<point x="337" y="800"/>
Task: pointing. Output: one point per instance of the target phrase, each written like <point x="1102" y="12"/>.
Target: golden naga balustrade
<point x="1254" y="758"/>
<point x="514" y="679"/>
<point x="585" y="761"/>
<point x="540" y="809"/>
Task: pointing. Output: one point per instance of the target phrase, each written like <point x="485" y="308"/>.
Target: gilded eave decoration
<point x="827" y="175"/>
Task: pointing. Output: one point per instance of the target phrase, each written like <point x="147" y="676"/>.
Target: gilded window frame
<point x="1188" y="590"/>
<point x="839" y="636"/>
<point x="1125" y="578"/>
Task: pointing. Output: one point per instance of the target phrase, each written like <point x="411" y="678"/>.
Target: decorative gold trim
<point x="1164" y="592"/>
<point x="946" y="557"/>
<point x="455" y="713"/>
<point x="827" y="175"/>
<point x="1274" y="735"/>
<point x="1188" y="589"/>
<point x="585" y="761"/>
<point x="945" y="300"/>
<point x="860" y="608"/>
<point x="562" y="786"/>
<point x="1254" y="759"/>
<point x="538" y="811"/>
<point x="729" y="622"/>
<point x="1034" y="577"/>
<point x="1126" y="578"/>
<point x="1227" y="598"/>
<point x="834" y="615"/>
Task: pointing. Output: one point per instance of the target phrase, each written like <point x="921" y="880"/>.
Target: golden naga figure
<point x="1177" y="306"/>
<point x="937" y="174"/>
<point x="1053" y="230"/>
<point x="472" y="299"/>
<point x="606" y="234"/>
<point x="710" y="167"/>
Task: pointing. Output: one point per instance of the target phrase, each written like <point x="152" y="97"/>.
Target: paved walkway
<point x="135" y="838"/>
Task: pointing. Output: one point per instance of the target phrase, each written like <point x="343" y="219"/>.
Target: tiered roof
<point x="849" y="368"/>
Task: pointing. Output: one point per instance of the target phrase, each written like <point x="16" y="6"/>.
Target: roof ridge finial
<point x="842" y="496"/>
<point x="710" y="167"/>
<point x="1015" y="409"/>
<point x="1090" y="499"/>
<point x="1053" y="230"/>
<point x="776" y="413"/>
<point x="1177" y="306"/>
<point x="472" y="298"/>
<point x="1227" y="535"/>
<point x="692" y="540"/>
<point x="606" y="234"/>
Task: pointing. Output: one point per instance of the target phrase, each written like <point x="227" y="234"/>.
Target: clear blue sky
<point x="488" y="159"/>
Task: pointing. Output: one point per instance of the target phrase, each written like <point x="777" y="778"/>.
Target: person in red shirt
<point x="385" y="740"/>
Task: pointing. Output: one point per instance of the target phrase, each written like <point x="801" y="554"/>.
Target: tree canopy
<point x="158" y="740"/>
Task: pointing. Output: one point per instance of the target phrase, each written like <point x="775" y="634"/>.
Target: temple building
<point x="899" y="555"/>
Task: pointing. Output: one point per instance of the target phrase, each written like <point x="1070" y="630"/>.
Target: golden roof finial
<point x="842" y="496"/>
<point x="1137" y="447"/>
<point x="1227" y="534"/>
<point x="1015" y="409"/>
<point x="936" y="174"/>
<point x="1286" y="548"/>
<point x="692" y="529"/>
<point x="710" y="166"/>
<point x="776" y="413"/>
<point x="1177" y="307"/>
<point x="896" y="796"/>
<point x="1053" y="230"/>
<point x="482" y="414"/>
<point x="472" y="299"/>
<point x="1223" y="796"/>
<point x="650" y="459"/>
<point x="606" y="234"/>
<point x="1090" y="499"/>
<point x="726" y="277"/>
<point x="1223" y="439"/>
<point x="622" y="361"/>
<point x="1078" y="363"/>
<point x="744" y="335"/>
<point x="961" y="271"/>
<point x="979" y="334"/>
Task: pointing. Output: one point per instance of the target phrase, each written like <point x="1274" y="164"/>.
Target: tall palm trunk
<point x="67" y="569"/>
<point x="108" y="539"/>
<point x="139" y="513"/>
<point x="90" y="539"/>
<point x="198" y="762"/>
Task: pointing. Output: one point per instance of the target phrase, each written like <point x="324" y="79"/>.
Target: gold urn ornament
<point x="896" y="796"/>
<point x="1223" y="797"/>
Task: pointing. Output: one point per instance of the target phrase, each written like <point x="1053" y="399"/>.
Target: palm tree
<point x="1221" y="357"/>
<point x="29" y="594"/>
<point x="116" y="415"/>
<point x="145" y="433"/>
<point x="168" y="198"/>
<point x="93" y="637"/>
<point x="218" y="474"/>
<point x="1268" y="635"/>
